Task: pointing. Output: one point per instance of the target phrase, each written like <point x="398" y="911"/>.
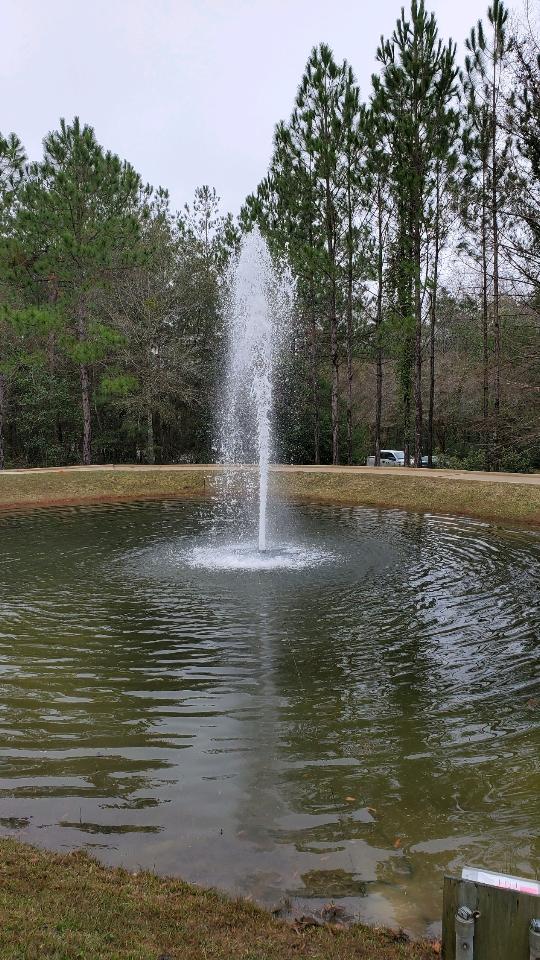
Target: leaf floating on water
<point x="372" y="811"/>
<point x="350" y="799"/>
<point x="397" y="843"/>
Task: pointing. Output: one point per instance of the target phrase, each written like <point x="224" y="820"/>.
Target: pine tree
<point x="355" y="240"/>
<point x="307" y="209"/>
<point x="287" y="209"/>
<point x="12" y="163"/>
<point x="77" y="225"/>
<point x="523" y="120"/>
<point x="474" y="205"/>
<point x="157" y="362"/>
<point x="377" y="161"/>
<point x="442" y="186"/>
<point x="318" y="122"/>
<point x="216" y="235"/>
<point x="414" y="93"/>
<point x="484" y="67"/>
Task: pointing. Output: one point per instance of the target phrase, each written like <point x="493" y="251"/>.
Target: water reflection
<point x="351" y="730"/>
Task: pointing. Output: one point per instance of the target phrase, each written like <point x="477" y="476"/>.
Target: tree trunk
<point x="349" y="326"/>
<point x="334" y="351"/>
<point x="404" y="259"/>
<point x="87" y="415"/>
<point x="315" y="392"/>
<point x="418" y="413"/>
<point x="433" y="319"/>
<point x="378" y="326"/>
<point x="2" y="420"/>
<point x="85" y="395"/>
<point x="52" y="287"/>
<point x="485" y="321"/>
<point x="150" y="445"/>
<point x="431" y="410"/>
<point x="334" y="355"/>
<point x="315" y="383"/>
<point x="496" y="319"/>
<point x="406" y="444"/>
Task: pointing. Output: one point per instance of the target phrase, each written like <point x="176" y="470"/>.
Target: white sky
<point x="188" y="91"/>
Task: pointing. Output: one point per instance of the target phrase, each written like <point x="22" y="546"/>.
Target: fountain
<point x="257" y="314"/>
<point x="256" y="322"/>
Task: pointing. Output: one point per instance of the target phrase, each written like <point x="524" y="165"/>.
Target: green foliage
<point x="308" y="207"/>
<point x="414" y="109"/>
<point x="109" y="304"/>
<point x="118" y="385"/>
<point x="111" y="329"/>
<point x="512" y="461"/>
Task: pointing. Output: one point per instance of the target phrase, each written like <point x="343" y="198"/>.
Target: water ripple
<point x="354" y="720"/>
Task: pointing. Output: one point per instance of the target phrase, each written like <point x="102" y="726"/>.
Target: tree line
<point x="402" y="215"/>
<point x="109" y="314"/>
<point x="410" y="222"/>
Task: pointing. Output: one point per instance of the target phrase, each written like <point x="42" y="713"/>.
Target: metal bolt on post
<point x="465" y="932"/>
<point x="534" y="940"/>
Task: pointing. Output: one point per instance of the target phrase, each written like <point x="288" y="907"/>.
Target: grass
<point x="36" y="487"/>
<point x="423" y="492"/>
<point x="68" y="907"/>
<point x="495" y="499"/>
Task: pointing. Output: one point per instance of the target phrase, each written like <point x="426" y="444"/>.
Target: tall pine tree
<point x="77" y="224"/>
<point x="414" y="93"/>
<point x="484" y="67"/>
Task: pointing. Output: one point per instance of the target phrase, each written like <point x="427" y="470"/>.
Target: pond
<point x="348" y="725"/>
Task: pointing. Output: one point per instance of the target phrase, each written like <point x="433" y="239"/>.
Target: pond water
<point x="348" y="723"/>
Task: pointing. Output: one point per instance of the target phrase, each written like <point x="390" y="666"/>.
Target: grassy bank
<point x="57" y="486"/>
<point x="497" y="497"/>
<point x="68" y="907"/>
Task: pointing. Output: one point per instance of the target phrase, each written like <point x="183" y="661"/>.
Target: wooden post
<point x="503" y="919"/>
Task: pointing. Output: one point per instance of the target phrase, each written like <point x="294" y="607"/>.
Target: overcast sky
<point x="188" y="91"/>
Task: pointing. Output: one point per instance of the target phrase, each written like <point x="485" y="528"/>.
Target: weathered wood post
<point x="501" y="923"/>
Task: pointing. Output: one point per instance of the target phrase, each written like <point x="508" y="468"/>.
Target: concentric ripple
<point x="352" y="720"/>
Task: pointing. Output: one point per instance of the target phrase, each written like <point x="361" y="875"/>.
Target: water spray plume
<point x="254" y="313"/>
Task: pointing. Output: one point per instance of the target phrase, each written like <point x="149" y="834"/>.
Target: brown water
<point x="350" y="723"/>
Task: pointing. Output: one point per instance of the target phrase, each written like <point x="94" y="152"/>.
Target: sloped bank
<point x="72" y="485"/>
<point x="71" y="907"/>
<point x="496" y="497"/>
<point x="513" y="498"/>
<point x="499" y="497"/>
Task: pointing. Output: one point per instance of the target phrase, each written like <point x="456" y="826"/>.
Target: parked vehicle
<point x="389" y="458"/>
<point x="396" y="458"/>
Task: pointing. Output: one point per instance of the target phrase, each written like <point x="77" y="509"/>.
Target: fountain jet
<point x="253" y="311"/>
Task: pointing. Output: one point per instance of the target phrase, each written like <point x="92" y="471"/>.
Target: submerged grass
<point x="497" y="497"/>
<point x="68" y="907"/>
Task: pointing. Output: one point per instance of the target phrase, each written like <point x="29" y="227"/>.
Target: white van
<point x="389" y="458"/>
